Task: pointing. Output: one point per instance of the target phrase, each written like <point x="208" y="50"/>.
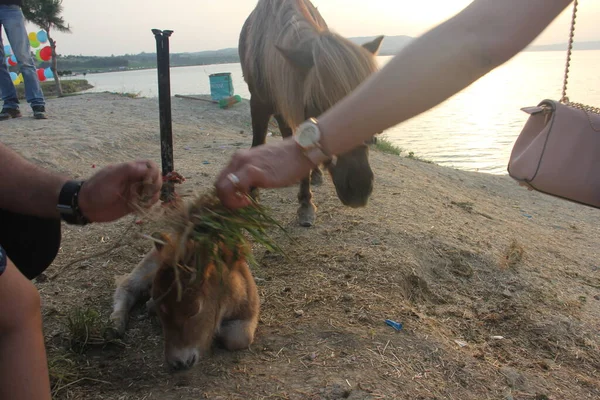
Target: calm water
<point x="474" y="130"/>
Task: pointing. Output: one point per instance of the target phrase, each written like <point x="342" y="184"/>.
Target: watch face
<point x="308" y="135"/>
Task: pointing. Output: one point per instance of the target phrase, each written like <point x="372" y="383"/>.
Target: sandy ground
<point x="497" y="288"/>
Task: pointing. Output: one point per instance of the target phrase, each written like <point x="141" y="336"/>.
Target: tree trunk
<point x="53" y="67"/>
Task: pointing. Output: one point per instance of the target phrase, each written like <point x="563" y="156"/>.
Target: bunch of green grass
<point x="385" y="146"/>
<point x="220" y="235"/>
<point x="85" y="329"/>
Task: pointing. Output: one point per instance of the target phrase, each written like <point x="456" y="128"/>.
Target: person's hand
<point x="272" y="165"/>
<point x="117" y="190"/>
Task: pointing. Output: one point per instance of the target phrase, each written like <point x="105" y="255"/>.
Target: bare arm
<point x="436" y="66"/>
<point x="432" y="68"/>
<point x="111" y="193"/>
<point x="26" y="188"/>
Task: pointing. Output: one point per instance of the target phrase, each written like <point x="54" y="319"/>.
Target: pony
<point x="195" y="308"/>
<point x="295" y="69"/>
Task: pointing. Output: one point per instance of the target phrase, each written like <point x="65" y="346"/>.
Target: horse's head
<point x="187" y="304"/>
<point x="332" y="67"/>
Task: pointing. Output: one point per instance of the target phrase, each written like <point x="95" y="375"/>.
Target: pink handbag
<point x="558" y="150"/>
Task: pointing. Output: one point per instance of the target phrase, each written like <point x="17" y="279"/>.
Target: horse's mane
<point x="339" y="65"/>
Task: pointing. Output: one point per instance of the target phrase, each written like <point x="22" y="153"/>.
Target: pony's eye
<point x="196" y="308"/>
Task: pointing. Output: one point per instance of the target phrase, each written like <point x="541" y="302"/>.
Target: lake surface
<point x="474" y="130"/>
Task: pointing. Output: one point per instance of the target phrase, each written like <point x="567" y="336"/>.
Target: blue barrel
<point x="221" y="86"/>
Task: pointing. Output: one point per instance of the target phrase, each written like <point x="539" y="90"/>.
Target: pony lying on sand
<point x="296" y="68"/>
<point x="199" y="280"/>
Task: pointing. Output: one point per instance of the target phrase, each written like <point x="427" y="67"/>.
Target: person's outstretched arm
<point x="436" y="66"/>
<point x="428" y="71"/>
<point x="108" y="195"/>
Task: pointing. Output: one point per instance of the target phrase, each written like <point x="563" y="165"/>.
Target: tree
<point x="47" y="15"/>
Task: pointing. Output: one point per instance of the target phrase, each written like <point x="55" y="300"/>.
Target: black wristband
<point x="68" y="203"/>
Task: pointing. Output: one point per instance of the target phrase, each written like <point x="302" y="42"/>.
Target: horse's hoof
<point x="151" y="307"/>
<point x="111" y="333"/>
<point x="307" y="213"/>
<point x="118" y="325"/>
<point x="316" y="177"/>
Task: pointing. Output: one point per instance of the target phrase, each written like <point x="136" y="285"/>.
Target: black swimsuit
<point x="31" y="242"/>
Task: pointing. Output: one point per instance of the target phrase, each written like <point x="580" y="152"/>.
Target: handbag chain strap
<point x="564" y="99"/>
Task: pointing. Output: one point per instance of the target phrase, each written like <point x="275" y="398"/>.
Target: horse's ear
<point x="374" y="45"/>
<point x="301" y="58"/>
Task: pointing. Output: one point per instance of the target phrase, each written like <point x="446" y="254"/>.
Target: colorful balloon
<point x="13" y="76"/>
<point x="48" y="73"/>
<point x="12" y="60"/>
<point x="32" y="36"/>
<point x="40" y="74"/>
<point x="37" y="55"/>
<point x="34" y="43"/>
<point x="46" y="53"/>
<point x="42" y="36"/>
<point x="7" y="50"/>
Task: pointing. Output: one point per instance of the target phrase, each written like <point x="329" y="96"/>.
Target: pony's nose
<point x="182" y="359"/>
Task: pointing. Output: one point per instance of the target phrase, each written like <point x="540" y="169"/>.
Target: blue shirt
<point x="3" y="260"/>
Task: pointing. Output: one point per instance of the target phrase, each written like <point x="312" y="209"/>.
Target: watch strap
<point x="68" y="203"/>
<point x="315" y="152"/>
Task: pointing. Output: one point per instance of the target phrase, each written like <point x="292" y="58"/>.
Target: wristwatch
<point x="68" y="204"/>
<point x="308" y="137"/>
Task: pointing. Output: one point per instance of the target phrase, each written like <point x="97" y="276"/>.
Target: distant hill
<point x="228" y="52"/>
<point x="563" y="46"/>
<point x="391" y="45"/>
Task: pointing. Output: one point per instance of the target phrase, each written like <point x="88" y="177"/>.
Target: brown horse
<point x="222" y="303"/>
<point x="296" y="68"/>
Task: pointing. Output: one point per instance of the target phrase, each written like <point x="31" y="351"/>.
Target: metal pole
<point x="164" y="103"/>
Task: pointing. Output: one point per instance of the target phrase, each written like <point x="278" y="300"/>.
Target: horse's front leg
<point x="133" y="287"/>
<point x="307" y="210"/>
<point x="261" y="114"/>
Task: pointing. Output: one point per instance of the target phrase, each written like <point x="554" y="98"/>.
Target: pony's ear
<point x="301" y="58"/>
<point x="160" y="240"/>
<point x="374" y="45"/>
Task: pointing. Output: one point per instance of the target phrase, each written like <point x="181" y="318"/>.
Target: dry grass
<point x="63" y="372"/>
<point x="204" y="232"/>
<point x="412" y="256"/>
<point x="513" y="255"/>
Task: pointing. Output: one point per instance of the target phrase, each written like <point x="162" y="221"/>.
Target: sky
<point x="116" y="27"/>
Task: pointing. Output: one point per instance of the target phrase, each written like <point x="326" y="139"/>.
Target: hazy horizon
<point x="117" y="28"/>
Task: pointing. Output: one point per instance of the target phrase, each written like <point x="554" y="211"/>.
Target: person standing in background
<point x="13" y="21"/>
